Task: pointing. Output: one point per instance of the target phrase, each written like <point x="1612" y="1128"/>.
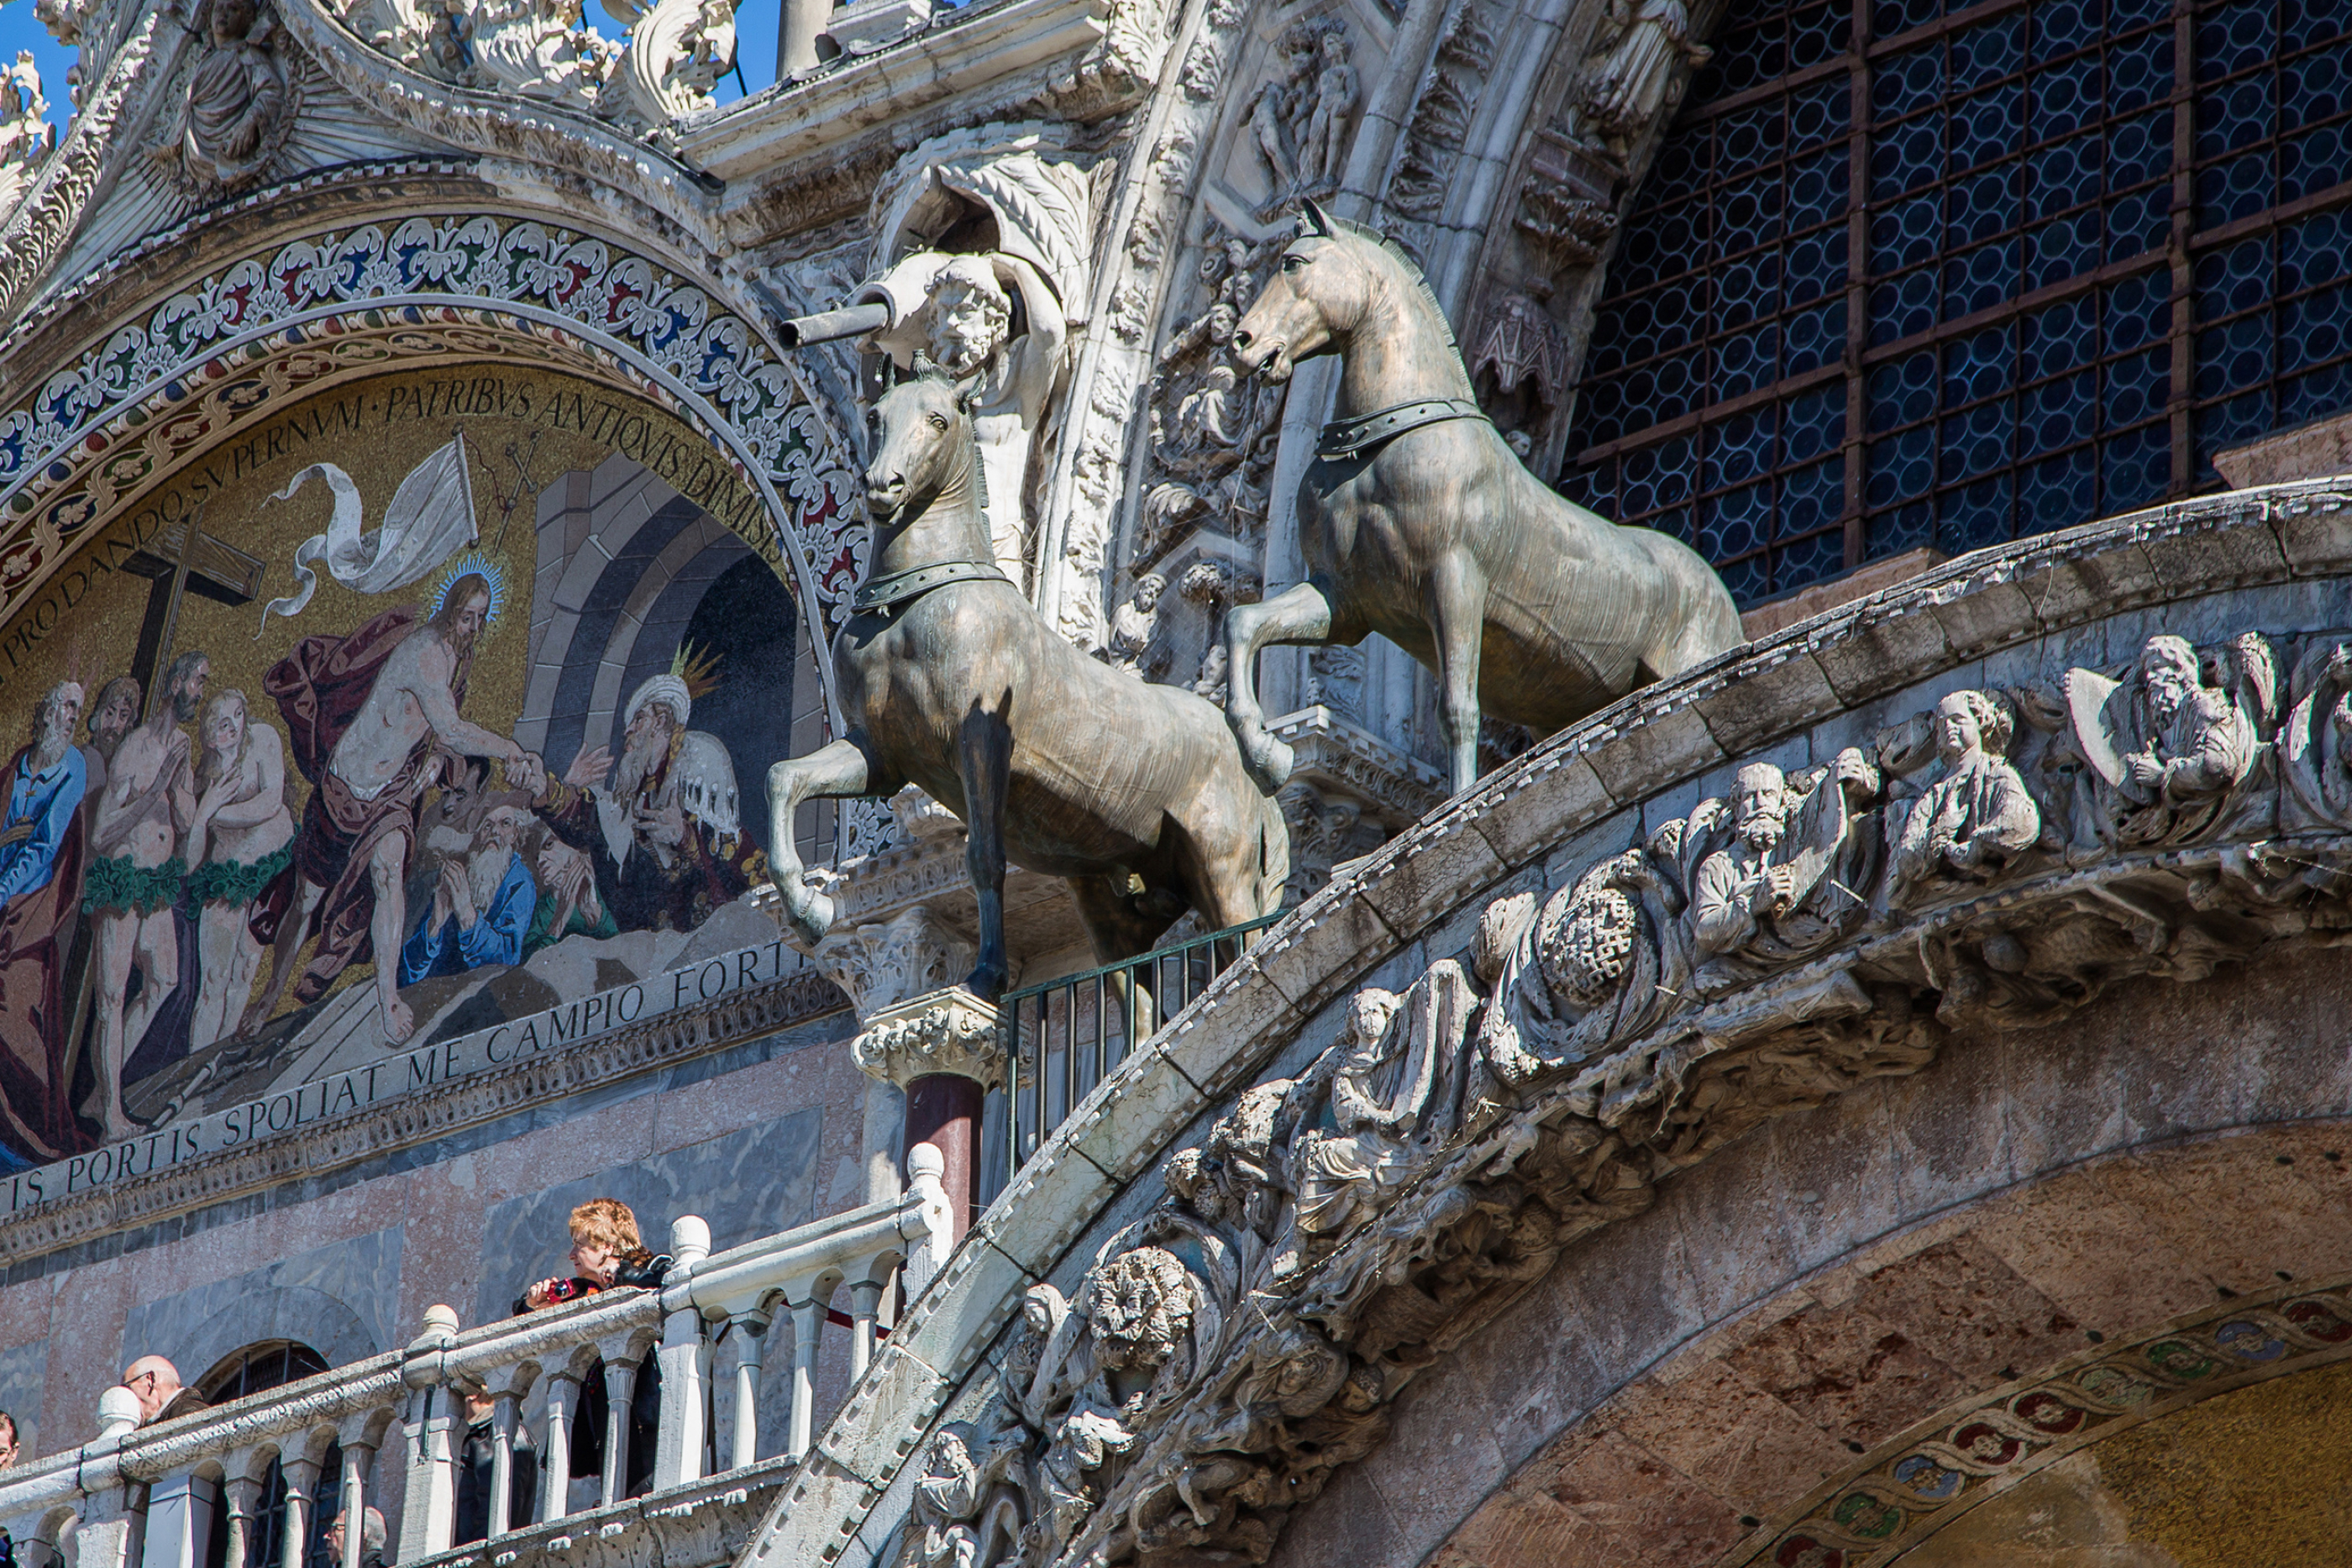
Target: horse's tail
<point x="1272" y="854"/>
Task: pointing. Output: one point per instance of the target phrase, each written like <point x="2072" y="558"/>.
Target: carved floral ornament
<point x="262" y="331"/>
<point x="1997" y="859"/>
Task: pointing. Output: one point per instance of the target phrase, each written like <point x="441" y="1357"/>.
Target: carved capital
<point x="948" y="1030"/>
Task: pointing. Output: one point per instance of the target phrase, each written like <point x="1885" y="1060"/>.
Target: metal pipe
<point x="831" y="326"/>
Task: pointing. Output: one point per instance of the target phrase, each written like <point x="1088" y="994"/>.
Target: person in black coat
<point x="608" y="1254"/>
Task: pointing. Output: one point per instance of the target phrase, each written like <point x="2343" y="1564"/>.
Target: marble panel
<point x="339" y="1299"/>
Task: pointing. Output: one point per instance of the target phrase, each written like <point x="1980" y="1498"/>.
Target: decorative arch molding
<point x="335" y="304"/>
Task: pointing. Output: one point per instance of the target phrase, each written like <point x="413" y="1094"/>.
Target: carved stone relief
<point x="25" y="136"/>
<point x="1340" y="1229"/>
<point x="238" y="102"/>
<point x="1299" y="120"/>
<point x="1440" y="120"/>
<point x="1212" y="434"/>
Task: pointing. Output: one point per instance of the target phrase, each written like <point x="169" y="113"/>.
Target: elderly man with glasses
<point x="155" y="1382"/>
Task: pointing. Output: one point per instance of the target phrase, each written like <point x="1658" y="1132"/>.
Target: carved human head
<point x="971" y="315"/>
<point x="949" y="1489"/>
<point x="2168" y="673"/>
<point x="1970" y="721"/>
<point x="232" y="20"/>
<point x="1148" y="590"/>
<point x="1761" y="804"/>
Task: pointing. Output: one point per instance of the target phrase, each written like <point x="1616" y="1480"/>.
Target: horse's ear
<point x="1314" y="223"/>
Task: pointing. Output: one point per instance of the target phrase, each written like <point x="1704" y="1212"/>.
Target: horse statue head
<point x="923" y="447"/>
<point x="1334" y="280"/>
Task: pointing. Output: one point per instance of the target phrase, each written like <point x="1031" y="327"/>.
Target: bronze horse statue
<point x="1419" y="523"/>
<point x="949" y="679"/>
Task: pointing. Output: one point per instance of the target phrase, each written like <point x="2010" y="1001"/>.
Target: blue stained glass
<point x="2235" y="116"/>
<point x="1591" y="488"/>
<point x="1736" y="522"/>
<point x="1889" y="18"/>
<point x="1985" y="53"/>
<point x="2139" y="149"/>
<point x="1817" y="190"/>
<point x="2323" y="392"/>
<point x="1599" y="411"/>
<point x="1990" y="126"/>
<point x="1819" y="114"/>
<point x="2058" y="337"/>
<point x="1906" y="81"/>
<point x="2237" y="189"/>
<point x="2139" y="222"/>
<point x="1976" y="441"/>
<point x="2136" y="468"/>
<point x="1746" y="139"/>
<point x="2231" y="280"/>
<point x="2313" y="251"/>
<point x="1816" y="266"/>
<point x="1638" y="263"/>
<point x="1982" y="513"/>
<point x="1820" y="34"/>
<point x="1747" y="288"/>
<point x="1900" y="468"/>
<point x="1744" y="59"/>
<point x="1980" y="205"/>
<point x="1749" y="213"/>
<point x="2232" y="38"/>
<point x="2314" y="328"/>
<point x="1684" y="231"/>
<point x="2062" y="25"/>
<point x="1812" y="423"/>
<point x="1978" y="366"/>
<point x="1808" y="561"/>
<point x="1739" y="448"/>
<point x="2139" y="71"/>
<point x="1747" y="581"/>
<point x="1676" y="524"/>
<point x="1657" y="477"/>
<point x="2125" y="15"/>
<point x="2303" y="22"/>
<point x="1903" y="390"/>
<point x="1980" y="279"/>
<point x="1674" y="386"/>
<point x="1681" y="168"/>
<point x="2065" y="174"/>
<point x="2234" y="357"/>
<point x="1814" y="339"/>
<point x="2066" y="97"/>
<point x="2138" y="386"/>
<point x="1747" y="361"/>
<point x="2058" y="414"/>
<point x="2137" y="310"/>
<point x="2058" y="492"/>
<point x="1812" y="498"/>
<point x="2315" y="87"/>
<point x="1905" y="529"/>
<point x="1907" y="234"/>
<point x="2057" y="251"/>
<point x="1906" y="158"/>
<point x="2309" y="164"/>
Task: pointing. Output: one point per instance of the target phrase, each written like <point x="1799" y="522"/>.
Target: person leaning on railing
<point x="608" y="1253"/>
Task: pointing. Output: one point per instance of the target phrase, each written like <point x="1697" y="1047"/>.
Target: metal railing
<point x="1067" y="1035"/>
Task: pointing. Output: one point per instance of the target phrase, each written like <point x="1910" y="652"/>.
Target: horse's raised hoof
<point x="1268" y="760"/>
<point x="987" y="982"/>
<point x="811" y="914"/>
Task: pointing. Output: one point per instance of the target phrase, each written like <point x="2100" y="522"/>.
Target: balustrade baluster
<point x="555" y="1453"/>
<point x="620" y="1387"/>
<point x="179" y="1519"/>
<point x="682" y="1439"/>
<point x="748" y="1330"/>
<point x="356" y="1455"/>
<point x="428" y="1515"/>
<point x="300" y="1477"/>
<point x="238" y="1498"/>
<point x="503" y="1414"/>
<point x="808" y="1320"/>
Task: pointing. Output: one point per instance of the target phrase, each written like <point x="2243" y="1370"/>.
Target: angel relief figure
<point x="2165" y="751"/>
<point x="1975" y="816"/>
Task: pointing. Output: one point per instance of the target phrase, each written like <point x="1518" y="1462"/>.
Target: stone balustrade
<point x="147" y="1496"/>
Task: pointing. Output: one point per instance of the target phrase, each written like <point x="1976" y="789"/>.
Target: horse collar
<point x="1348" y="438"/>
<point x="882" y="594"/>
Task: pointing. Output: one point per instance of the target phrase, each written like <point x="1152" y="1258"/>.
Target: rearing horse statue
<point x="949" y="679"/>
<point x="1418" y="522"/>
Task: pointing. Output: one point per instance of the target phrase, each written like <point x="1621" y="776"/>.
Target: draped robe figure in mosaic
<point x="370" y="715"/>
<point x="1418" y="522"/>
<point x="41" y="860"/>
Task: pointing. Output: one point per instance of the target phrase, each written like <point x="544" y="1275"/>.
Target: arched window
<point x="255" y="1369"/>
<point x="1908" y="274"/>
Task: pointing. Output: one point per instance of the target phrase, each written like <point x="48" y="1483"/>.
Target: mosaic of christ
<point x="418" y="709"/>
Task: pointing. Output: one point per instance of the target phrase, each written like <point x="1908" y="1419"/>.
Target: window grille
<point x="1905" y="277"/>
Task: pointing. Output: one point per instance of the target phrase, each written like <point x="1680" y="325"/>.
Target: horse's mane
<point x="1403" y="259"/>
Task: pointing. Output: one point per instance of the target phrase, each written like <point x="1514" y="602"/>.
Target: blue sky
<point x="755" y="50"/>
